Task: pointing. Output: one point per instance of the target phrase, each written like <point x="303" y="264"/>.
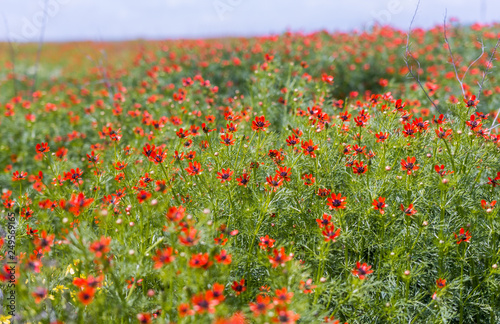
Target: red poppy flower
<point x="362" y="270"/>
<point x="231" y="128"/>
<point x="194" y="168"/>
<point x="26" y="213"/>
<point x="285" y="316"/>
<point x="356" y="150"/>
<point x="163" y="257"/>
<point x="86" y="296"/>
<point x="260" y="124"/>
<point x="99" y="248"/>
<point x="76" y="203"/>
<point x="409" y="165"/>
<point x="18" y="176"/>
<point x="324" y="221"/>
<point x="120" y="166"/>
<point x="330" y="234"/>
<point x="31" y="232"/>
<point x="284" y="173"/>
<point x="204" y="302"/>
<point x="190" y="155"/>
<point x="279" y="258"/>
<point x="496" y="181"/>
<point x="441" y="120"/>
<point x="409" y="130"/>
<point x="206" y="129"/>
<point x="184" y="310"/>
<point x="307" y="286"/>
<point x="441" y="133"/>
<point x="463" y="236"/>
<point x="471" y="102"/>
<point x="441" y="171"/>
<point x="200" y="260"/>
<point x="181" y="133"/>
<point x="359" y="168"/>
<point x="308" y="179"/>
<point x="114" y="134"/>
<point x="42" y="148"/>
<point x="40" y="294"/>
<point x="266" y="242"/>
<point x="144" y="318"/>
<point x="344" y="116"/>
<point x="474" y="124"/>
<point x="44" y="242"/>
<point x="292" y="140"/>
<point x="261" y="305"/>
<point x="239" y="287"/>
<point x="227" y="139"/>
<point x="309" y="148"/>
<point x="420" y="124"/>
<point x="148" y="150"/>
<point x="220" y="240"/>
<point x="218" y="292"/>
<point x="488" y="205"/>
<point x="379" y="204"/>
<point x="189" y="236"/>
<point x="274" y="182"/>
<point x="408" y="211"/>
<point x="143" y="195"/>
<point x="158" y="156"/>
<point x="283" y="297"/>
<point x="8" y="203"/>
<point x="336" y="201"/>
<point x="381" y="137"/>
<point x="223" y="257"/>
<point x="243" y="180"/>
<point x="441" y="283"/>
<point x="175" y="214"/>
<point x="224" y="175"/>
<point x="90" y="281"/>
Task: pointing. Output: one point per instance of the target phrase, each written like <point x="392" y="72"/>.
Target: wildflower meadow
<point x="293" y="178"/>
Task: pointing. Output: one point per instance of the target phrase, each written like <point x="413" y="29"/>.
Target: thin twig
<point x="461" y="81"/>
<point x="480" y="85"/>
<point x="451" y="55"/>
<point x="409" y="55"/>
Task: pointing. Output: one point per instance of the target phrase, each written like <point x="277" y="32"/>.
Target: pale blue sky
<point x="159" y="19"/>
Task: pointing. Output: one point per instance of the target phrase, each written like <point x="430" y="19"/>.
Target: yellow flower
<point x="59" y="288"/>
<point x="5" y="319"/>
